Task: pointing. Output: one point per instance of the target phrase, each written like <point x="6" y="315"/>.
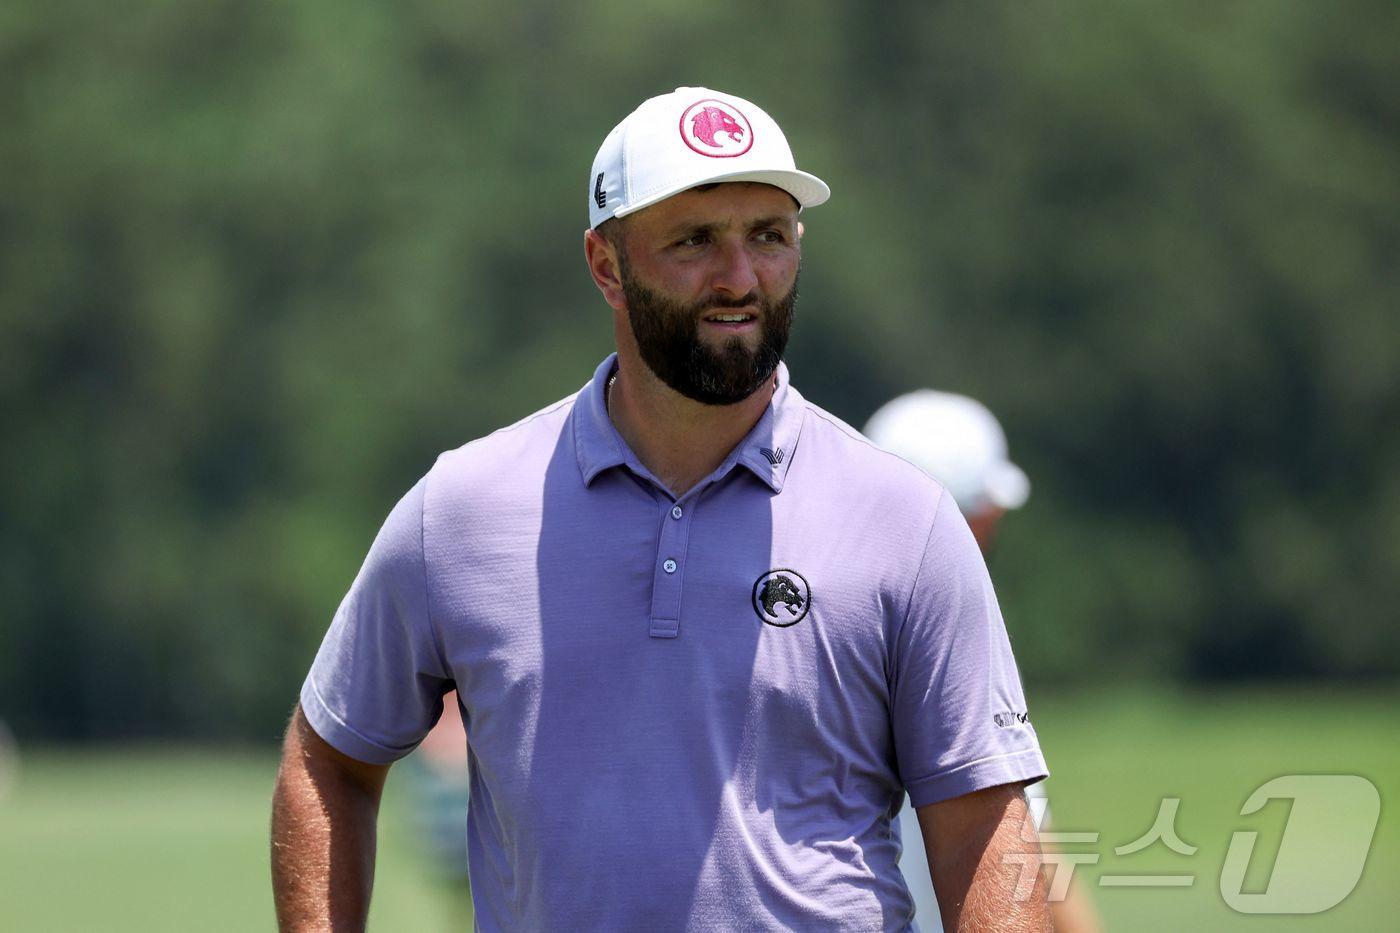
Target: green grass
<point x="1114" y="758"/>
<point x="155" y="839"/>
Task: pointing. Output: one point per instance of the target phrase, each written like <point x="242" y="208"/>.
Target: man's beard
<point x="668" y="336"/>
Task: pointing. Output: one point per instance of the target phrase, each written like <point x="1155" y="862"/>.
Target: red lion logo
<point x="712" y="120"/>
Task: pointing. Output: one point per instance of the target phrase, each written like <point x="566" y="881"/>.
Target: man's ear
<point x="605" y="268"/>
<point x="800" y="231"/>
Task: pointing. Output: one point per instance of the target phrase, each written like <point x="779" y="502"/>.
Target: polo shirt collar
<point x="766" y="451"/>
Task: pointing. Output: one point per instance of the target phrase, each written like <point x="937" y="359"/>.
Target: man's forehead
<point x="720" y="204"/>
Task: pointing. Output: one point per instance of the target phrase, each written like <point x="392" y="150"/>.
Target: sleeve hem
<point x="340" y="735"/>
<point x="1025" y="765"/>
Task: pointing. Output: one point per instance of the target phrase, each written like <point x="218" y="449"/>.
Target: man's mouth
<point x="730" y="318"/>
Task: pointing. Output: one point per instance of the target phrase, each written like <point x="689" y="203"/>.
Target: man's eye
<point x="699" y="239"/>
<point x="772" y="237"/>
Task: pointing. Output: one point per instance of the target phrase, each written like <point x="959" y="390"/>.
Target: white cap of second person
<point x="692" y="136"/>
<point x="958" y="442"/>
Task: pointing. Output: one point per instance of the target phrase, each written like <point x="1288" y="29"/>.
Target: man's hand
<point x="966" y="838"/>
<point x="323" y="832"/>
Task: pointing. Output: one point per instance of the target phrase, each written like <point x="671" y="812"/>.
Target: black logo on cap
<point x="781" y="598"/>
<point x="599" y="194"/>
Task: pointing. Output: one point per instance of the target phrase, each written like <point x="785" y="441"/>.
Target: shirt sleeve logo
<point x="781" y="598"/>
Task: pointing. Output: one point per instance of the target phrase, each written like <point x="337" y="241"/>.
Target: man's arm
<point x="966" y="838"/>
<point x="324" y="811"/>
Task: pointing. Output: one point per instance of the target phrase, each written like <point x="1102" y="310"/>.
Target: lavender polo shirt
<point x="684" y="714"/>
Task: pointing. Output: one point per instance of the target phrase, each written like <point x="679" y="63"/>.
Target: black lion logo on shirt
<point x="780" y="589"/>
<point x="781" y="597"/>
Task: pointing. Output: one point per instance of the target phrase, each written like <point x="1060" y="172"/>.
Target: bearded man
<point x="704" y="636"/>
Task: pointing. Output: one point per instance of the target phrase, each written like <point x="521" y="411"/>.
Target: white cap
<point x="692" y="136"/>
<point x="958" y="442"/>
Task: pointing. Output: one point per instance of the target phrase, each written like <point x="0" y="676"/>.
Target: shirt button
<point x="669" y="566"/>
<point x="676" y="512"/>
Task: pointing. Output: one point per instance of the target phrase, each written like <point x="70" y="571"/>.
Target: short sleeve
<point x="376" y="686"/>
<point x="959" y="714"/>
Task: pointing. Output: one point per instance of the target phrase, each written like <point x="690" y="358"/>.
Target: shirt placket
<point x="670" y="567"/>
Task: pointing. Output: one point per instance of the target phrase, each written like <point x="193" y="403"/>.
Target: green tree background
<point x="261" y="262"/>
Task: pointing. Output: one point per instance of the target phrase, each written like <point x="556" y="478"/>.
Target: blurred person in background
<point x="704" y="636"/>
<point x="960" y="443"/>
<point x="440" y="795"/>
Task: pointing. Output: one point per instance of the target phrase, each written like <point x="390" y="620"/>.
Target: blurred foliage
<point x="260" y="262"/>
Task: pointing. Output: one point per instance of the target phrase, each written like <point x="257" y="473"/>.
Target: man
<point x="960" y="443"/>
<point x="704" y="636"/>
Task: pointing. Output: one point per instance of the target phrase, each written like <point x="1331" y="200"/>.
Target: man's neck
<point x="680" y="440"/>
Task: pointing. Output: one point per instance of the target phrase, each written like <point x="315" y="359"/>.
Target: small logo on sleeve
<point x="1009" y="719"/>
<point x="781" y="598"/>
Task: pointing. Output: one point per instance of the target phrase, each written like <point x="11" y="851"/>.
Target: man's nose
<point x="735" y="275"/>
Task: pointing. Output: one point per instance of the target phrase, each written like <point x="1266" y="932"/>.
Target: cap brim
<point x="1008" y="487"/>
<point x="809" y="190"/>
